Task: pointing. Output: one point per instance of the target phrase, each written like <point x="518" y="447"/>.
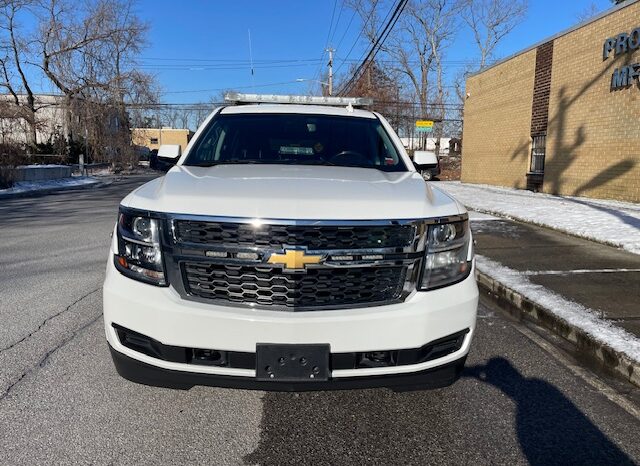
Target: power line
<point x="335" y="29"/>
<point x="376" y="45"/>
<point x="407" y="104"/>
<point x="229" y="60"/>
<point x="195" y="67"/>
<point x="364" y="25"/>
<point x="346" y="30"/>
<point x="318" y="73"/>
<point x="225" y="62"/>
<point x="417" y="104"/>
<point x="230" y="87"/>
<point x="335" y="4"/>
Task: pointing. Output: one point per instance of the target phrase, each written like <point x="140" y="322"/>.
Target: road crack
<point x="48" y="319"/>
<point x="41" y="363"/>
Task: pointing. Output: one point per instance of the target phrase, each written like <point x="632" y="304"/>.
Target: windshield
<point x="296" y="139"/>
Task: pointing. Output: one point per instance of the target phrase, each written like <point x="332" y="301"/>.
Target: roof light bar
<point x="237" y="98"/>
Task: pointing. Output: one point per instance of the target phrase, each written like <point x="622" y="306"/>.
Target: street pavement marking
<point x="578" y="271"/>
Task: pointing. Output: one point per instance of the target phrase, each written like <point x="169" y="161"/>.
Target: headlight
<point x="139" y="255"/>
<point x="448" y="255"/>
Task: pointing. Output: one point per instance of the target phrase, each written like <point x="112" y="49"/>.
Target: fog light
<point x="208" y="357"/>
<point x="377" y="359"/>
<point x="378" y="356"/>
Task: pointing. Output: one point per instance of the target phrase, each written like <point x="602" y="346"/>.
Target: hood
<point x="292" y="192"/>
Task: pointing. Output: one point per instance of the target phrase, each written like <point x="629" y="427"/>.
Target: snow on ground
<point x="573" y="313"/>
<point x="29" y="186"/>
<point x="100" y="171"/>
<point x="611" y="222"/>
<point x="480" y="217"/>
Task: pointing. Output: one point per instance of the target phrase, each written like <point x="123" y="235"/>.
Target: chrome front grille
<point x="249" y="262"/>
<point x="313" y="237"/>
<point x="317" y="288"/>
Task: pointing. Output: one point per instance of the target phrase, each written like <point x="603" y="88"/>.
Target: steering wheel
<point x="351" y="157"/>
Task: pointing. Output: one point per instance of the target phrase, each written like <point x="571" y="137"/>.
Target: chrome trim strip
<point x="340" y="223"/>
<point x="136" y="241"/>
<point x="304" y="222"/>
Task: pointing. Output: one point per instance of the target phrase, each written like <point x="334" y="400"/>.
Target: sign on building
<point x="624" y="76"/>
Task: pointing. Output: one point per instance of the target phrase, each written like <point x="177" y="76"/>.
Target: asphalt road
<point x="62" y="402"/>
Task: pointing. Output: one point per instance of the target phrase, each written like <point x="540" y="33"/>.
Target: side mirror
<point x="169" y="153"/>
<point x="423" y="159"/>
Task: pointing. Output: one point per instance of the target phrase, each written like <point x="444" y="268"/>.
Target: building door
<point x="537" y="154"/>
<point x="535" y="176"/>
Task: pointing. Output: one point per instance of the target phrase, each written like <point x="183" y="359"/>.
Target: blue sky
<point x="203" y="45"/>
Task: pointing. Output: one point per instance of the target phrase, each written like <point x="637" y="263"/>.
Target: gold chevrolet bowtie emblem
<point x="294" y="259"/>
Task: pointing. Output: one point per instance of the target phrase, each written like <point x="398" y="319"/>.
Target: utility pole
<point x="253" y="79"/>
<point x="330" y="50"/>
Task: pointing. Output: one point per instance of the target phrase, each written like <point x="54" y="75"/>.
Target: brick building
<point x="562" y="116"/>
<point x="153" y="138"/>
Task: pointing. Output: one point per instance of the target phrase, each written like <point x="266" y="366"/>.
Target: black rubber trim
<point x="142" y="373"/>
<point x="242" y="360"/>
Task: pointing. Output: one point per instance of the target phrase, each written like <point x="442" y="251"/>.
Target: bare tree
<point x="185" y="119"/>
<point x="89" y="51"/>
<point x="588" y="12"/>
<point x="415" y="50"/>
<point x="428" y="28"/>
<point x="490" y="21"/>
<point x="416" y="46"/>
<point x="13" y="54"/>
<point x="382" y="86"/>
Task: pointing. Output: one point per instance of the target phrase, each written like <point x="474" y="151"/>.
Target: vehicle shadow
<point x="622" y="216"/>
<point x="493" y="415"/>
<point x="550" y="428"/>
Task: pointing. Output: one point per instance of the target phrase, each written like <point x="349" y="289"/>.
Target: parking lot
<point x="520" y="399"/>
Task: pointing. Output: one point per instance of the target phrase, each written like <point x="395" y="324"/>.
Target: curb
<point x="40" y="192"/>
<point x="525" y="309"/>
<point x="501" y="215"/>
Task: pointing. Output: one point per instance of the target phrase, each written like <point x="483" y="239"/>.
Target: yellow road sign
<point x="424" y="124"/>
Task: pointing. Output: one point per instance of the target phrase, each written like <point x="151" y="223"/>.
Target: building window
<point x="537" y="154"/>
<point x="153" y="140"/>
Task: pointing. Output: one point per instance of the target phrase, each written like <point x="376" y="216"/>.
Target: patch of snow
<point x="28" y="186"/>
<point x="576" y="271"/>
<point x="51" y="165"/>
<point x="480" y="217"/>
<point x="101" y="172"/>
<point x="573" y="313"/>
<point x="615" y="223"/>
<point x="498" y="226"/>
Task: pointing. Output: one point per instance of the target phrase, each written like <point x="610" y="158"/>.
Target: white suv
<point x="291" y="247"/>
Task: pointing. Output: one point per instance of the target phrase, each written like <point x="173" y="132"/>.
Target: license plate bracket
<point x="292" y="363"/>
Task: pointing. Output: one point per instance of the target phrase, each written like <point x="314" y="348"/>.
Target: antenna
<point x="253" y="81"/>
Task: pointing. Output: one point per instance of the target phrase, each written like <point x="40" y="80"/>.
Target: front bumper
<point x="161" y="314"/>
<point x="147" y="374"/>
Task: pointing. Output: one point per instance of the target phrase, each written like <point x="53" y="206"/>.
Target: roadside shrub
<point x="6" y="177"/>
<point x="10" y="157"/>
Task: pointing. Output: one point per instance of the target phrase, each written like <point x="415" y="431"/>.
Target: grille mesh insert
<point x="315" y="237"/>
<point x="265" y="285"/>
